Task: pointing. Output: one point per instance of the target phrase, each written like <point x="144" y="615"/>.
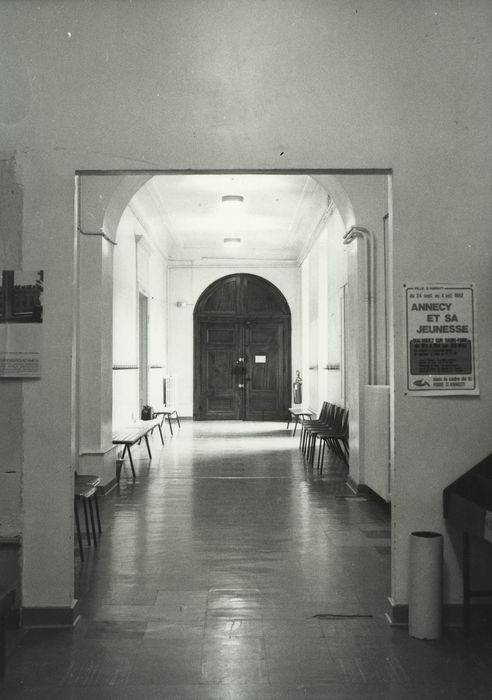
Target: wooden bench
<point x="296" y="414"/>
<point x="133" y="434"/>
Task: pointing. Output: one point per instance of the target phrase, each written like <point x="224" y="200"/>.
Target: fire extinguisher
<point x="297" y="388"/>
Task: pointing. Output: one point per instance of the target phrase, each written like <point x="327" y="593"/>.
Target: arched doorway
<point x="242" y="351"/>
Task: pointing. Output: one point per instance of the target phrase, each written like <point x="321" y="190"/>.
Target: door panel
<point x="220" y="397"/>
<point x="266" y="378"/>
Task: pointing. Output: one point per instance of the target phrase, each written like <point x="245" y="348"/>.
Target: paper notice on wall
<point x="440" y="340"/>
<point x="21" y="322"/>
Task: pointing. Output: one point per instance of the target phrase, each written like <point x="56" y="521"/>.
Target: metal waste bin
<point x="425" y="585"/>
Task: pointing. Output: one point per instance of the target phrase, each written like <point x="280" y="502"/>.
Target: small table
<point x="297" y="413"/>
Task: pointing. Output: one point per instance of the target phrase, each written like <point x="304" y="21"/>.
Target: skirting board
<point x="13" y="619"/>
<point x="359" y="489"/>
<point x="43" y="617"/>
<point x="397" y="615"/>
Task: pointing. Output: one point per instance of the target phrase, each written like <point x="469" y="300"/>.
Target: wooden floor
<point x="229" y="570"/>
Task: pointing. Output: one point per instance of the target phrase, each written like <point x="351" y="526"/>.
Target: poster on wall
<point x="440" y="339"/>
<point x="21" y="321"/>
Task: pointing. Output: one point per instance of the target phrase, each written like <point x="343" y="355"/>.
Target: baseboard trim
<point x="397" y="615"/>
<point x="43" y="617"/>
<point x="356" y="488"/>
<point x="452" y="613"/>
<point x="13" y="619"/>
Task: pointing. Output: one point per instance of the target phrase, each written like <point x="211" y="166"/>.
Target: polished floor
<point x="231" y="571"/>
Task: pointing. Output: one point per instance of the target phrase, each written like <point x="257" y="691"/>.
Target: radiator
<point x="376" y="454"/>
<point x="169" y="391"/>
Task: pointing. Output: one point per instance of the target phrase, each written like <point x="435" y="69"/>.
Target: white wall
<point x="331" y="272"/>
<point x="139" y="267"/>
<point x="185" y="285"/>
<point x="166" y="85"/>
<point x="158" y="328"/>
<point x="324" y="272"/>
<point x="125" y="322"/>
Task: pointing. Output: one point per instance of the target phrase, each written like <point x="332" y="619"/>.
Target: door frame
<point x="202" y="316"/>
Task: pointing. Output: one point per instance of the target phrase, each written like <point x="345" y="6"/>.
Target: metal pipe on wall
<point x="368" y="237"/>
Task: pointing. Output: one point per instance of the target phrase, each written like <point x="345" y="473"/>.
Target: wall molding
<point x="97" y="452"/>
<point x="227" y="263"/>
<point x="11" y="541"/>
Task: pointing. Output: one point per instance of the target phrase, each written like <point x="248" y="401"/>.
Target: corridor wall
<point x="324" y="272"/>
<point x="138" y="268"/>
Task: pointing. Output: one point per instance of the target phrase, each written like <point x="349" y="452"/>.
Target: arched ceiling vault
<point x="278" y="219"/>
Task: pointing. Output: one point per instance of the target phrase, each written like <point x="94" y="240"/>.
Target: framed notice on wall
<point x="440" y="339"/>
<point x="21" y="321"/>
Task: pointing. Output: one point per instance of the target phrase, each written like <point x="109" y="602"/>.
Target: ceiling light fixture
<point x="232" y="242"/>
<point x="232" y="200"/>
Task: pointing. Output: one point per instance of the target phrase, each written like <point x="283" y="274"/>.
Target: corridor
<point x="230" y="571"/>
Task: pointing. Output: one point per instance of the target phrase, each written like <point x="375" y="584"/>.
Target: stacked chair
<point x="332" y="430"/>
<point x="335" y="438"/>
<point x="311" y="425"/>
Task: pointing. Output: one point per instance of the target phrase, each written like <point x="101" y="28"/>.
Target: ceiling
<point x="185" y="216"/>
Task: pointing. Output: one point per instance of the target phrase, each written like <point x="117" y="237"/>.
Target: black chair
<point x="330" y="421"/>
<point x="307" y="424"/>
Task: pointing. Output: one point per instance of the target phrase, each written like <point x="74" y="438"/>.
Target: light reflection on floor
<point x="229" y="569"/>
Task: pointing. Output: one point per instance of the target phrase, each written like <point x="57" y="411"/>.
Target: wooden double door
<point x="242" y="363"/>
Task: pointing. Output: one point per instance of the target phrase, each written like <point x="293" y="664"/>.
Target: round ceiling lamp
<point x="232" y="200"/>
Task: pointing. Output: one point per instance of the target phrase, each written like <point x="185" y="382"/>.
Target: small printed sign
<point x="260" y="359"/>
<point x="21" y="319"/>
<point x="440" y="339"/>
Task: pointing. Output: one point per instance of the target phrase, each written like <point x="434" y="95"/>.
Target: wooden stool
<point x="84" y="494"/>
<point x="90" y="480"/>
<point x="167" y="413"/>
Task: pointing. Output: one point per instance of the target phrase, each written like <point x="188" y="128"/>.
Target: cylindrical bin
<point x="425" y="585"/>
